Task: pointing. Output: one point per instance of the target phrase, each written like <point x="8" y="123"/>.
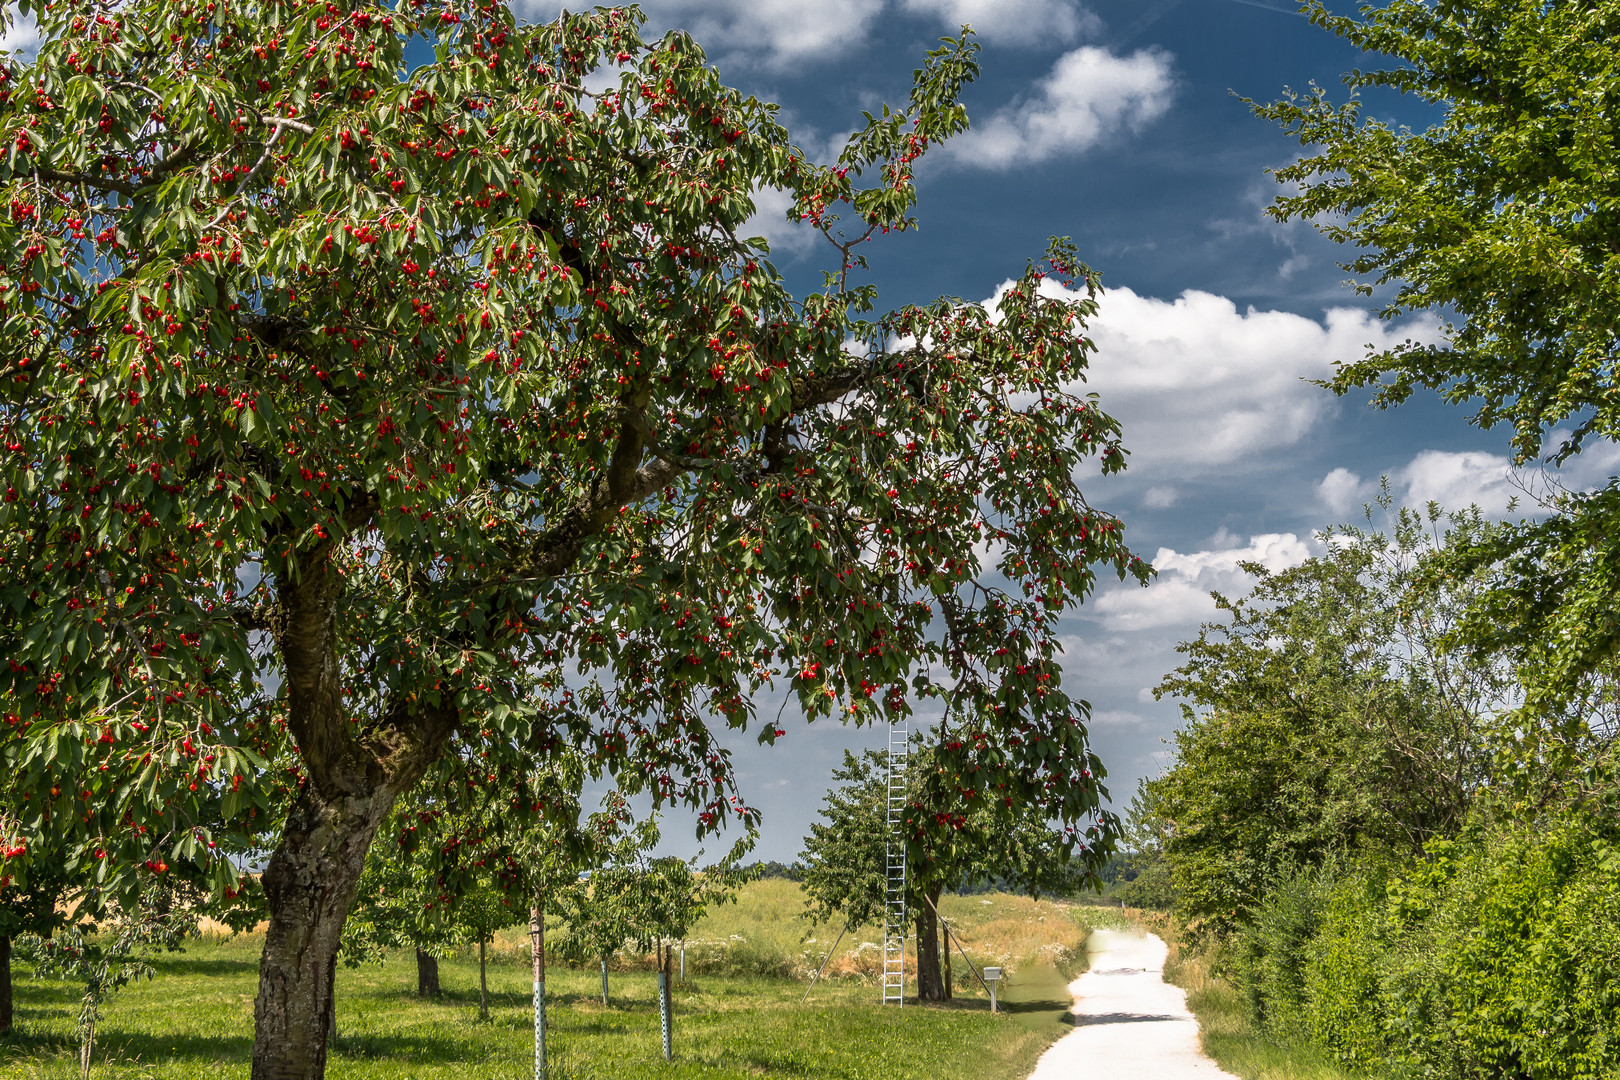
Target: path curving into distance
<point x="1129" y="1023"/>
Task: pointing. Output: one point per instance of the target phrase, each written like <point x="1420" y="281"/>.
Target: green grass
<point x="195" y="1020"/>
<point x="1231" y="1037"/>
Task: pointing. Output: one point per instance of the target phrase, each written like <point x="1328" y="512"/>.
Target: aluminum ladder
<point x="894" y="912"/>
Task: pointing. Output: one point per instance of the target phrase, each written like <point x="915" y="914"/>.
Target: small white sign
<point x="991" y="974"/>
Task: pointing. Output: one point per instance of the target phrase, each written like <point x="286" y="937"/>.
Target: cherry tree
<point x="362" y="419"/>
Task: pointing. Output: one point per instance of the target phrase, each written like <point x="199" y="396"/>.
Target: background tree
<point x="1139" y="874"/>
<point x="676" y="894"/>
<point x="480" y="911"/>
<point x="604" y="912"/>
<point x="347" y="403"/>
<point x="400" y="902"/>
<point x="1324" y="718"/>
<point x="844" y="855"/>
<point x="115" y="953"/>
<point x="469" y="832"/>
<point x="34" y="908"/>
<point x="1500" y="217"/>
<point x="1347" y="813"/>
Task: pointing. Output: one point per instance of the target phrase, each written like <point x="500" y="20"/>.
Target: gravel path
<point x="1129" y="1023"/>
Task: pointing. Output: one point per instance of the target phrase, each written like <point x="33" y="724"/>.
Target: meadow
<point x="738" y="1014"/>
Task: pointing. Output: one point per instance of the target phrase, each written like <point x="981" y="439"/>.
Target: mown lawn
<point x="195" y="1020"/>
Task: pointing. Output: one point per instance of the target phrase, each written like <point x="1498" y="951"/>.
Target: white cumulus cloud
<point x="1342" y="491"/>
<point x="1180" y="594"/>
<point x="788" y="239"/>
<point x="756" y="33"/>
<point x="1090" y="95"/>
<point x="1458" y="479"/>
<point x="1017" y="22"/>
<point x="1117" y="718"/>
<point x="1202" y="387"/>
<point x="776" y="33"/>
<point x="21" y="36"/>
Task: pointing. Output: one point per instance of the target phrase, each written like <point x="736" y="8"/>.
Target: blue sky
<point x="1115" y="122"/>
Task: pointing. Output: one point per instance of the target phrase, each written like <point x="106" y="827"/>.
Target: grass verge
<point x="1227" y="1031"/>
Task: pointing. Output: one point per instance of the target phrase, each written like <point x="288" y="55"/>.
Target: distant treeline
<point x="793" y="871"/>
<point x="1118" y="869"/>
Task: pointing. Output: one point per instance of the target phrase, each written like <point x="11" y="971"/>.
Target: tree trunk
<point x="310" y="883"/>
<point x="483" y="984"/>
<point x="427" y="975"/>
<point x="945" y="945"/>
<point x="353" y="772"/>
<point x="929" y="985"/>
<point x="5" y="985"/>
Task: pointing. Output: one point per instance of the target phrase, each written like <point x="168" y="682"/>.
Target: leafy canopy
<point x="1325" y="720"/>
<point x="1502" y="216"/>
<point x="845" y="854"/>
<point x="382" y="416"/>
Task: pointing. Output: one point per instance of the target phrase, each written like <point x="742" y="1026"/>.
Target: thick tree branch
<point x="104" y="183"/>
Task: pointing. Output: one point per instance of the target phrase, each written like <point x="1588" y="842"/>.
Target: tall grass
<point x="765" y="934"/>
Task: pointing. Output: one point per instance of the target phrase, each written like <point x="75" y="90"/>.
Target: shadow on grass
<point x="113" y="1043"/>
<point x="173" y="964"/>
<point x="402" y="1048"/>
<point x="45" y="996"/>
<point x="773" y="1065"/>
<point x="1038" y="997"/>
<point x="154" y="1047"/>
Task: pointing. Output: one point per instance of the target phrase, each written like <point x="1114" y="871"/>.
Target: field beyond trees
<point x="738" y="1015"/>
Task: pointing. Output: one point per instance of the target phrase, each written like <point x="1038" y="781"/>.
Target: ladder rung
<point x="894" y="918"/>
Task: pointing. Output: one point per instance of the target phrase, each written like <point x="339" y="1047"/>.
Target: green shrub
<point x="1497" y="955"/>
<point x="1341" y="968"/>
<point x="1515" y="969"/>
<point x="1270" y="956"/>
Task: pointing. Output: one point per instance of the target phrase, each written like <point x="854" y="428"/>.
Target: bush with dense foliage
<point x="1347" y="829"/>
<point x="1496" y="955"/>
<point x="1323" y="718"/>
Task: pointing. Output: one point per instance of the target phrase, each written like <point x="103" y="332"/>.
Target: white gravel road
<point x="1128" y="1021"/>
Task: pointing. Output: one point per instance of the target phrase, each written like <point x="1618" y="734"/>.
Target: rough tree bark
<point x="353" y="774"/>
<point x="5" y="985"/>
<point x="930" y="986"/>
<point x="427" y="975"/>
